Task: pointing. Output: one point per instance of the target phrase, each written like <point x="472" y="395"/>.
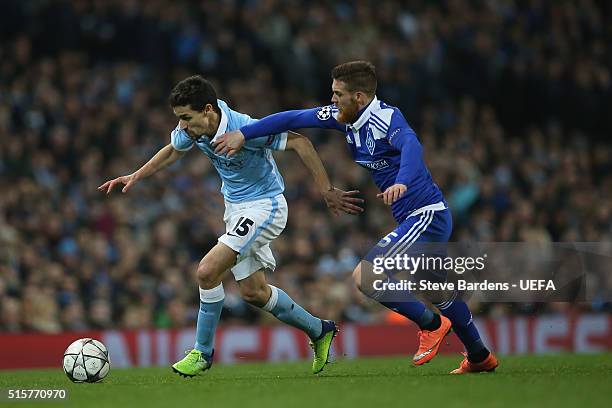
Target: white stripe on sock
<point x="273" y="299"/>
<point x="213" y="295"/>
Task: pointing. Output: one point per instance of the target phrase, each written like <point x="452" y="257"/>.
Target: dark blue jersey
<point x="380" y="140"/>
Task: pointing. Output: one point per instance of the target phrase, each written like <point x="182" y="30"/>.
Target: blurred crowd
<point x="511" y="99"/>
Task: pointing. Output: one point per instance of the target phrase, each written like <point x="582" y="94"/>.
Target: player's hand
<point x="345" y="201"/>
<point x="228" y="143"/>
<point x="392" y="194"/>
<point x="128" y="181"/>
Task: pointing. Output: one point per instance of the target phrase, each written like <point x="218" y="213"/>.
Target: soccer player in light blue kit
<point x="381" y="140"/>
<point x="255" y="214"/>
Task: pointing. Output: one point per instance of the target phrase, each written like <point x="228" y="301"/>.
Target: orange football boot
<point x="489" y="364"/>
<point x="429" y="341"/>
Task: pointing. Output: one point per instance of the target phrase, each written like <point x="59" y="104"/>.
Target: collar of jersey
<point x="365" y="114"/>
<point x="222" y="125"/>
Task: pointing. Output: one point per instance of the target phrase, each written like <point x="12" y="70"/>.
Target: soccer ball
<point x="86" y="360"/>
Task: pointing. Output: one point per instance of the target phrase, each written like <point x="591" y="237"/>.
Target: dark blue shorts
<point x="424" y="234"/>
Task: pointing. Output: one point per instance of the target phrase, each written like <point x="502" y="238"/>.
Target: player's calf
<point x="433" y="327"/>
<point x="255" y="290"/>
<point x="458" y="313"/>
<point x="365" y="280"/>
<point x="209" y="275"/>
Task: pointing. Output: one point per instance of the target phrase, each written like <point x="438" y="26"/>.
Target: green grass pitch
<point x="566" y="380"/>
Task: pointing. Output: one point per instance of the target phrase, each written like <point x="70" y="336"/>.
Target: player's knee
<point x="357" y="276"/>
<point x="364" y="282"/>
<point x="207" y="276"/>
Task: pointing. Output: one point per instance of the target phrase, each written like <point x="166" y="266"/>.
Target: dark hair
<point x="358" y="76"/>
<point x="194" y="91"/>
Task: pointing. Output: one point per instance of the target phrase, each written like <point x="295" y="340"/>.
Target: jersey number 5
<point x="387" y="240"/>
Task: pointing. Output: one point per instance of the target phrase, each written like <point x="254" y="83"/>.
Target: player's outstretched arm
<point x="322" y="117"/>
<point x="336" y="199"/>
<point x="165" y="157"/>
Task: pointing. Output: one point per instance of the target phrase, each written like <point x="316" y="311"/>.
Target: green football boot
<point x="322" y="345"/>
<point x="193" y="364"/>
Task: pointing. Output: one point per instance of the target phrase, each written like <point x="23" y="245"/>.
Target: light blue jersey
<point x="249" y="175"/>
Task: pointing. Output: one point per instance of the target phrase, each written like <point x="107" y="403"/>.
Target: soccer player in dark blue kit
<point x="381" y="140"/>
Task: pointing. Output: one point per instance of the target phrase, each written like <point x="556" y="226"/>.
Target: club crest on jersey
<point x="370" y="144"/>
<point x="324" y="113"/>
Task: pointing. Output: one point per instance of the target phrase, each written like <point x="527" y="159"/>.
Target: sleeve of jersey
<point x="272" y="142"/>
<point x="277" y="142"/>
<point x="403" y="138"/>
<point x="180" y="140"/>
<point x="322" y="117"/>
